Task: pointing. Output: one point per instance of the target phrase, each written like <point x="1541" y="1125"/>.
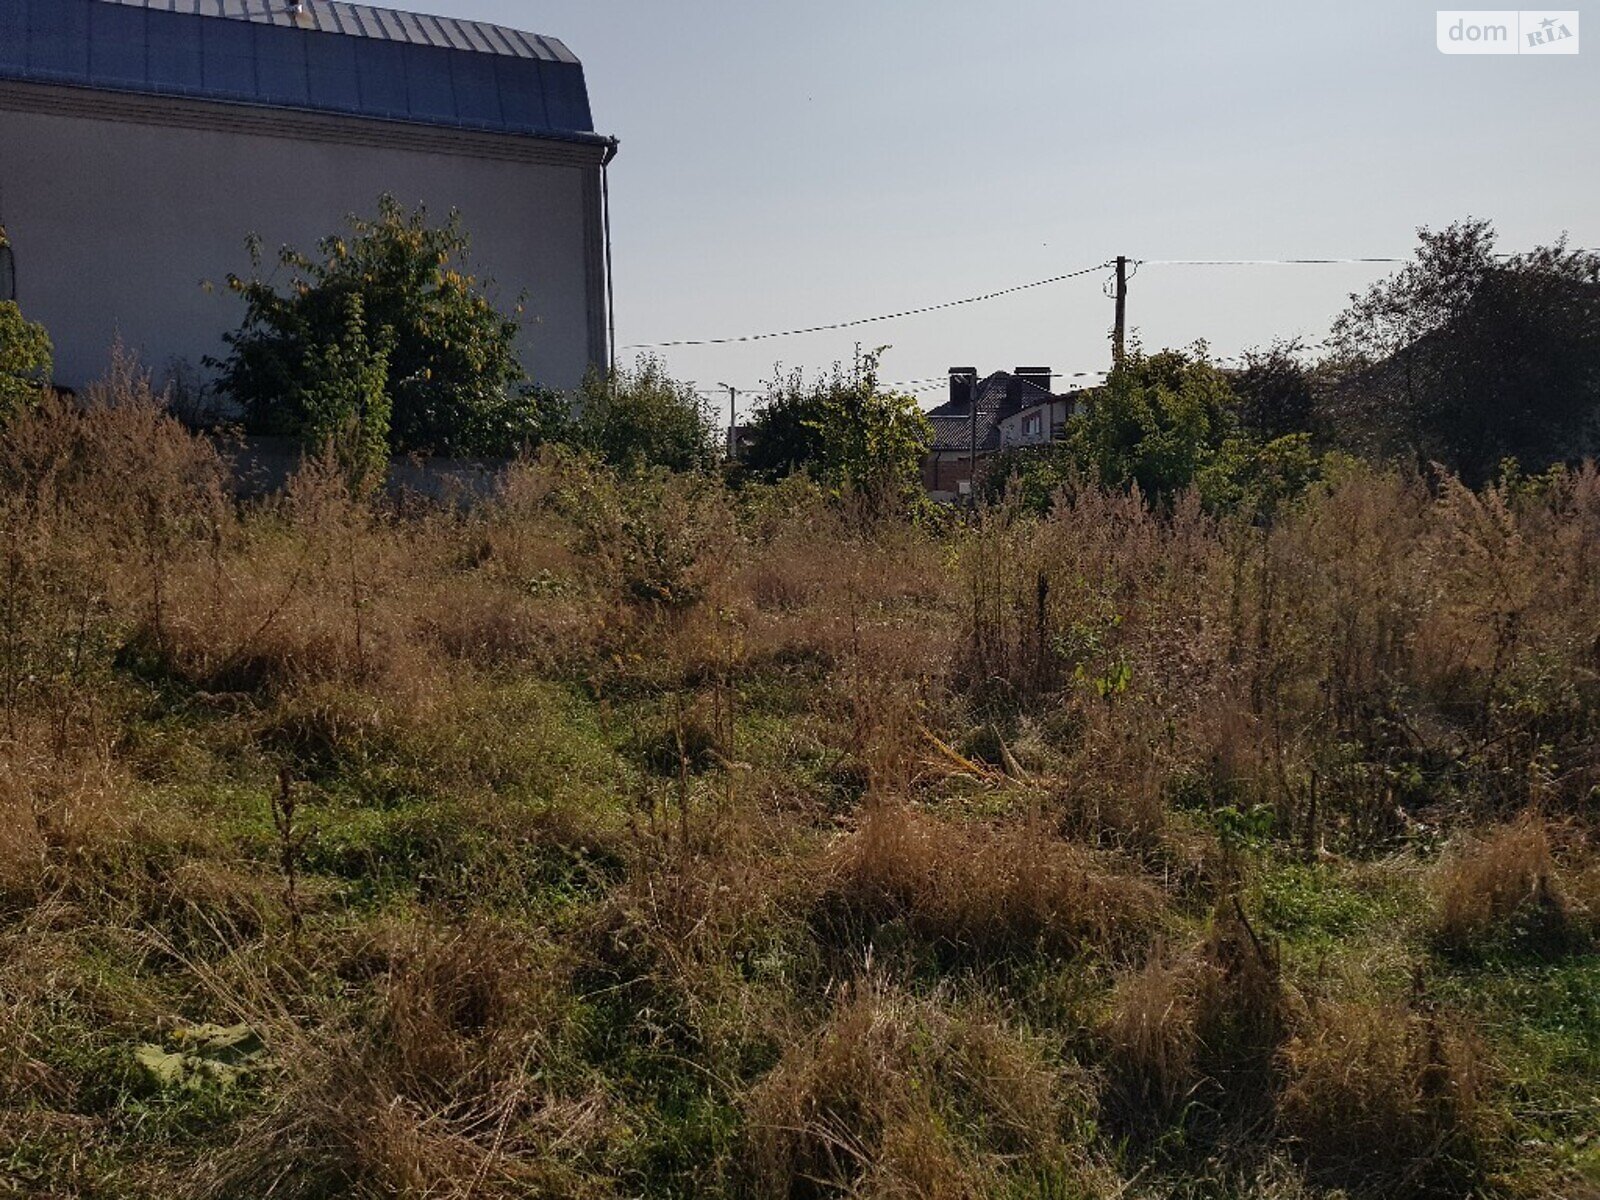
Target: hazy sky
<point x="787" y="165"/>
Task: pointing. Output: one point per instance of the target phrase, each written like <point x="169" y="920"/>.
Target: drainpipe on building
<point x="612" y="146"/>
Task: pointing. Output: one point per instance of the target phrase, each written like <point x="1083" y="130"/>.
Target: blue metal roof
<point x="331" y="57"/>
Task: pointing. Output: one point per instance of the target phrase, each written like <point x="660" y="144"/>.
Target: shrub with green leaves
<point x="644" y="418"/>
<point x="848" y="431"/>
<point x="26" y="359"/>
<point x="452" y="376"/>
<point x="1160" y="422"/>
<point x="1165" y="422"/>
<point x="340" y="390"/>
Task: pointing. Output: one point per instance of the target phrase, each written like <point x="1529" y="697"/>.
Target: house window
<point x="1030" y="426"/>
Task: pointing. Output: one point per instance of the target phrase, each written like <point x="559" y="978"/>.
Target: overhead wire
<point x="922" y="310"/>
<point x="859" y="321"/>
<point x="1134" y="263"/>
<point x="1261" y="262"/>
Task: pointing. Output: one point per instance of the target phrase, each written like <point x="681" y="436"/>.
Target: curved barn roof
<point x="330" y="57"/>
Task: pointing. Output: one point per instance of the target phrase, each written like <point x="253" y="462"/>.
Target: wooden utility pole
<point x="733" y="421"/>
<point x="1119" y="337"/>
<point x="972" y="446"/>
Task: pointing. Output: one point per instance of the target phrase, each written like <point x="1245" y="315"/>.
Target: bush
<point x="847" y="431"/>
<point x="651" y="538"/>
<point x="452" y="377"/>
<point x="1159" y="422"/>
<point x="1167" y="423"/>
<point x="644" y="418"/>
<point x="341" y="391"/>
<point x="26" y="359"/>
<point x="1277" y="391"/>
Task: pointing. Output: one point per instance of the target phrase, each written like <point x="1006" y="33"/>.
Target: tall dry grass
<point x="897" y="1096"/>
<point x="655" y="837"/>
<point x="971" y="890"/>
<point x="1390" y="643"/>
<point x="1506" y="885"/>
<point x="451" y="1084"/>
<point x="1199" y="1032"/>
<point x="1388" y="1100"/>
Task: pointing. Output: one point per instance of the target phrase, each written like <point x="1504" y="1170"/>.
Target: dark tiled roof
<point x="951" y="421"/>
<point x="333" y="57"/>
<point x="992" y="394"/>
<point x="954" y="432"/>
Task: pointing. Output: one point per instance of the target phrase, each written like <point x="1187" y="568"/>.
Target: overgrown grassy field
<point x="648" y="838"/>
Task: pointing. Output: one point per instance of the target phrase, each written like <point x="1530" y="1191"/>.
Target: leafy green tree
<point x="340" y="387"/>
<point x="1277" y="391"/>
<point x="847" y="431"/>
<point x="1165" y="422"/>
<point x="453" y="380"/>
<point x="1159" y="422"/>
<point x="1467" y="357"/>
<point x="1029" y="475"/>
<point x="26" y="359"/>
<point x="644" y="418"/>
<point x="1258" y="478"/>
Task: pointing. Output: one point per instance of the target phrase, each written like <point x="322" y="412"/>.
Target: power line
<point x="894" y="316"/>
<point x="1134" y="263"/>
<point x="1260" y="262"/>
<point x="995" y="295"/>
<point x="1302" y="262"/>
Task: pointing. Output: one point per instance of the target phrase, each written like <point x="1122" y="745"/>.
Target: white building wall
<point x="121" y="209"/>
<point x="1051" y="416"/>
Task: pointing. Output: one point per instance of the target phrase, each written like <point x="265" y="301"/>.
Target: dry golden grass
<point x="528" y="953"/>
<point x="978" y="890"/>
<point x="444" y="1088"/>
<point x="1505" y="883"/>
<point x="82" y="832"/>
<point x="899" y="1097"/>
<point x="1387" y="1100"/>
<point x="1204" y="1025"/>
<point x="1153" y="1038"/>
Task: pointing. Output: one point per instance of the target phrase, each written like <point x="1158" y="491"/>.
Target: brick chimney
<point x="1038" y="376"/>
<point x="1012" y="404"/>
<point x="963" y="386"/>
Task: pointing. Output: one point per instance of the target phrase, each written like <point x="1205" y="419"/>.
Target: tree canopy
<point x="1467" y="357"/>
<point x="1169" y="422"/>
<point x="396" y="288"/>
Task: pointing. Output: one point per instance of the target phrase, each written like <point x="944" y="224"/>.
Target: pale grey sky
<point x="787" y="165"/>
